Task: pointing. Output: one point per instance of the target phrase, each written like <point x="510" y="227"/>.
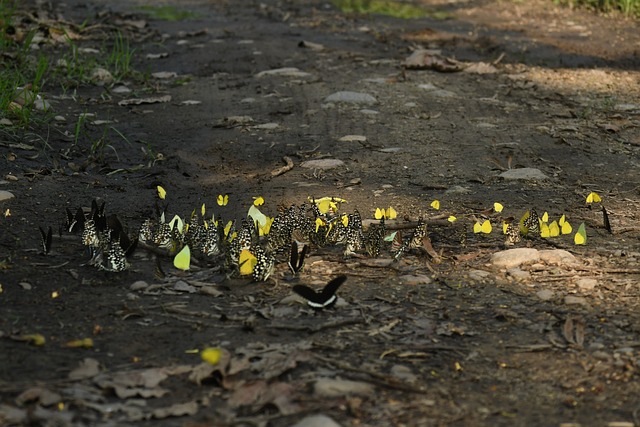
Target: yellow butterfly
<point x="222" y="200"/>
<point x="505" y="226"/>
<point x="545" y="232"/>
<point x="498" y="207"/>
<point x="389" y="213"/>
<point x="326" y="204"/>
<point x="345" y="220"/>
<point x="211" y="355"/>
<point x="203" y="209"/>
<point x="319" y="223"/>
<point x="247" y="262"/>
<point x="452" y="218"/>
<point x="565" y="227"/>
<point x="263" y="230"/>
<point x="162" y="193"/>
<point x="545" y="217"/>
<point x="554" y="229"/>
<point x="593" y="198"/>
<point x="227" y="228"/>
<point x="182" y="260"/>
<point x="177" y="223"/>
<point x="580" y="238"/>
<point x="435" y="204"/>
<point x="258" y="201"/>
<point x="485" y="227"/>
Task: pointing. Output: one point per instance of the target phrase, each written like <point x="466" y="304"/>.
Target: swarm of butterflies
<point x="258" y="242"/>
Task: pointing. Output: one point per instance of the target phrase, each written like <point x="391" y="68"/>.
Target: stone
<point x="545" y="294"/>
<point x="557" y="257"/>
<point x="586" y="283"/>
<point x="514" y="257"/>
<point x="532" y="174"/>
<point x="138" y="285"/>
<point x="479" y="275"/>
<point x="284" y="72"/>
<point x="319" y="420"/>
<point x="518" y="274"/>
<point x="351" y="97"/>
<point x="6" y="195"/>
<point x="330" y="388"/>
<point x="353" y="138"/>
<point x="574" y="300"/>
<point x="322" y="164"/>
<point x="418" y="279"/>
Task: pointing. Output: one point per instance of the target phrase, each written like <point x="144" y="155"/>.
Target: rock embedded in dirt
<point x="353" y="138"/>
<point x="138" y="285"/>
<point x="351" y="98"/>
<point x="331" y="388"/>
<point x="514" y="257"/>
<point x="319" y="420"/>
<point x="532" y="174"/>
<point x="418" y="279"/>
<point x="586" y="283"/>
<point x="322" y="164"/>
<point x="6" y="195"/>
<point x="284" y="72"/>
<point x="574" y="300"/>
<point x="545" y="294"/>
<point x="557" y="257"/>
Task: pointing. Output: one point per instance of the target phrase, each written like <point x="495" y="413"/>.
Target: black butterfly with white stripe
<point x="323" y="299"/>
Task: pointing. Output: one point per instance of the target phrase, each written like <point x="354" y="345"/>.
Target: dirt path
<point x="457" y="336"/>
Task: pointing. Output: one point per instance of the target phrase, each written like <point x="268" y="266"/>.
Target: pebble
<point x="267" y="126"/>
<point x="514" y="257"/>
<point x="138" y="285"/>
<point x="586" y="284"/>
<point x="284" y="72"/>
<point x="121" y="89"/>
<point x="545" y="294"/>
<point x="101" y="77"/>
<point x="418" y="279"/>
<point x="524" y="173"/>
<point x="182" y="286"/>
<point x="478" y="275"/>
<point x="6" y="195"/>
<point x="353" y="138"/>
<point x="319" y="420"/>
<point x="351" y="97"/>
<point x="369" y="112"/>
<point x="330" y="388"/>
<point x="322" y="164"/>
<point x="6" y="122"/>
<point x="573" y="300"/>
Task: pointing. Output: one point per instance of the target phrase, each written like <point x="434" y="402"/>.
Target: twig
<point x="318" y="328"/>
<point x="285" y="168"/>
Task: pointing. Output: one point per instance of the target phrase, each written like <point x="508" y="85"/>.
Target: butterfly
<point x="484" y="227"/>
<point x="296" y="260"/>
<point x="498" y="207"/>
<point x="323" y="299"/>
<point x="549" y="230"/>
<point x="75" y="222"/>
<point x="182" y="260"/>
<point x="512" y="231"/>
<point x="389" y="213"/>
<point x="530" y="222"/>
<point x="222" y="200"/>
<point x="162" y="193"/>
<point x="593" y="198"/>
<point x="46" y="240"/>
<point x="605" y="217"/>
<point x="565" y="227"/>
<point x="580" y="237"/>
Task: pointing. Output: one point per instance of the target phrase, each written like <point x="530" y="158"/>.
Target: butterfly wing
<point x="605" y="217"/>
<point x="293" y="257"/>
<point x="46" y="239"/>
<point x="324" y="298"/>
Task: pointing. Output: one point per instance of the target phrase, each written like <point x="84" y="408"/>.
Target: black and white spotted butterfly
<point x="296" y="259"/>
<point x="46" y="240"/>
<point x="323" y="299"/>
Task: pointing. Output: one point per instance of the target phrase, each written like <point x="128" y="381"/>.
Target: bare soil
<point x="455" y="342"/>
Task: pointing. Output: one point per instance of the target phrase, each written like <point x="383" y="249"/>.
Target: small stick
<point x="285" y="168"/>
